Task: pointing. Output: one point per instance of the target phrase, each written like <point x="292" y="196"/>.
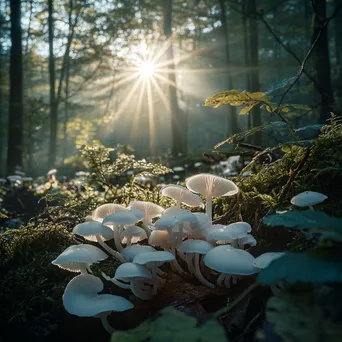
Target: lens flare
<point x="147" y="69"/>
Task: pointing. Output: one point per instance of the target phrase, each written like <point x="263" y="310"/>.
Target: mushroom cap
<point x="122" y="217"/>
<point x="179" y="193"/>
<point x="90" y="229"/>
<point x="249" y="240"/>
<point x="238" y="230"/>
<point x="105" y="209"/>
<point x="211" y="185"/>
<point x="228" y="260"/>
<point x="158" y="238"/>
<point x="149" y="209"/>
<point x="135" y="232"/>
<point x="265" y="259"/>
<point x="219" y="233"/>
<point x="130" y="271"/>
<point x="195" y="246"/>
<point x="131" y="251"/>
<point x="81" y="298"/>
<point x="159" y="257"/>
<point x="173" y="216"/>
<point x="308" y="198"/>
<point x="83" y="253"/>
<point x="203" y="221"/>
<point x="51" y="172"/>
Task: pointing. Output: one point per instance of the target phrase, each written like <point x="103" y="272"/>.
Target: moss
<point x="321" y="171"/>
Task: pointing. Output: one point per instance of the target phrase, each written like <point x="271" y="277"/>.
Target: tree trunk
<point x="246" y="52"/>
<point x="253" y="35"/>
<point x="176" y="117"/>
<point x="53" y="103"/>
<point x="15" y="124"/>
<point x="338" y="51"/>
<point x="322" y="60"/>
<point x="232" y="126"/>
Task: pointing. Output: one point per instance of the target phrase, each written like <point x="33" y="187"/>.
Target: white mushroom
<point x="79" y="258"/>
<point x="118" y="220"/>
<point x="193" y="249"/>
<point x="150" y="211"/>
<point x="130" y="252"/>
<point x="96" y="231"/>
<point x="182" y="195"/>
<point x="153" y="260"/>
<point x="238" y="231"/>
<point x="136" y="275"/>
<point x="211" y="186"/>
<point x="132" y="234"/>
<point x="81" y="298"/>
<point x="106" y="209"/>
<point x="229" y="262"/>
<point x="308" y="199"/>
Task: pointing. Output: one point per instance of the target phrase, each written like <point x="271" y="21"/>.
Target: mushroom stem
<point x="311" y="208"/>
<point x="88" y="269"/>
<point x="240" y="243"/>
<point x="83" y="269"/>
<point x="161" y="273"/>
<point x="136" y="288"/>
<point x="227" y="281"/>
<point x="234" y="243"/>
<point x="105" y="323"/>
<point x="111" y="251"/>
<point x="199" y="275"/>
<point x="178" y="204"/>
<point x="220" y="280"/>
<point x="176" y="267"/>
<point x="117" y="238"/>
<point x="189" y="257"/>
<point x="234" y="278"/>
<point x="146" y="229"/>
<point x="129" y="240"/>
<point x="170" y="237"/>
<point x="115" y="281"/>
<point x="209" y="206"/>
<point x="180" y="233"/>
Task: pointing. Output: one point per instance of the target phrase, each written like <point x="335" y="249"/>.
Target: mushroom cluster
<point x="214" y="254"/>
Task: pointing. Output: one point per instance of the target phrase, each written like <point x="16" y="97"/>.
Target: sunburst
<point x="148" y="72"/>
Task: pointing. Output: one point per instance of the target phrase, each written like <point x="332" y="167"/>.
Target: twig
<point x="301" y="69"/>
<point x="236" y="301"/>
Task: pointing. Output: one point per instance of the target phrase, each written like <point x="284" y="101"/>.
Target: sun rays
<point x="146" y="81"/>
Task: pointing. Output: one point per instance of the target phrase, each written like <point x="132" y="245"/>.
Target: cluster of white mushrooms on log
<point x="188" y="241"/>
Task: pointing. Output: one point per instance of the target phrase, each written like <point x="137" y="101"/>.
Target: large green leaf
<point x="318" y="267"/>
<point x="309" y="221"/>
<point x="170" y="326"/>
<point x="299" y="318"/>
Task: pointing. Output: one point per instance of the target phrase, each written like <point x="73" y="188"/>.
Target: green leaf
<point x="302" y="317"/>
<point x="303" y="267"/>
<point x="170" y="326"/>
<point x="309" y="221"/>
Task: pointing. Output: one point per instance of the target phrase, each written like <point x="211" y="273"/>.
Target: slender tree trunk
<point x="322" y="60"/>
<point x="15" y="124"/>
<point x="246" y="53"/>
<point x="66" y="109"/>
<point x="254" y="64"/>
<point x="338" y="50"/>
<point x="232" y="126"/>
<point x="176" y="117"/>
<point x="66" y="67"/>
<point x="53" y="103"/>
